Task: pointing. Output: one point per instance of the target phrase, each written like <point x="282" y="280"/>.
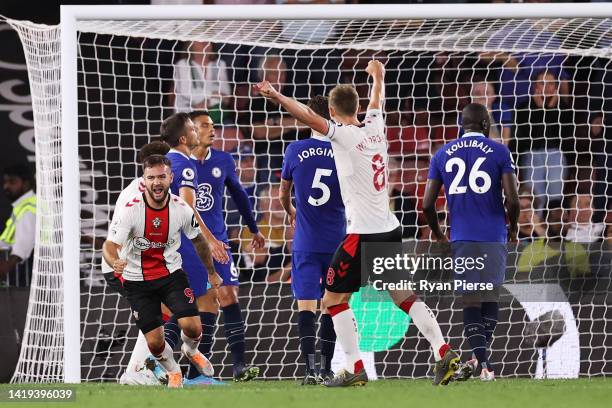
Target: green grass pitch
<point x="522" y="393"/>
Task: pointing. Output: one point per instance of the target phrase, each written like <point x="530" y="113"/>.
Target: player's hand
<point x="218" y="249"/>
<point x="376" y="69"/>
<point x="266" y="90"/>
<point x="291" y="215"/>
<point x="215" y="280"/>
<point x="119" y="265"/>
<point x="258" y="241"/>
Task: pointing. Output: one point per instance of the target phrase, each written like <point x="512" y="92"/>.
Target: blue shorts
<point x="194" y="268"/>
<point x="228" y="271"/>
<point x="198" y="275"/>
<point x="479" y="262"/>
<point x="308" y="270"/>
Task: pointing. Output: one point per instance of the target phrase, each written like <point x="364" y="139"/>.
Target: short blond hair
<point x="344" y="99"/>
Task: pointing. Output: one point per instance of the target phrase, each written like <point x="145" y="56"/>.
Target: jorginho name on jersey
<point x="361" y="159"/>
<point x="150" y="237"/>
<point x="471" y="169"/>
<point x="133" y="189"/>
<point x="320" y="223"/>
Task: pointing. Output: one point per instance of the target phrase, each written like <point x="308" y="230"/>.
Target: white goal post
<point x="240" y="25"/>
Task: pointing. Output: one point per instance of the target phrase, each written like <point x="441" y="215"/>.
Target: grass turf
<point x="523" y="393"/>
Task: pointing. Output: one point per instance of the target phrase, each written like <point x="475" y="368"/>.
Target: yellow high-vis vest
<point x="20" y="208"/>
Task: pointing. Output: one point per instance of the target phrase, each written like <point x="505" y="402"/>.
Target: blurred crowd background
<point x="552" y="110"/>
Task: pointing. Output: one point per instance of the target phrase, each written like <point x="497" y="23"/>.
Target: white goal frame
<point x="69" y="102"/>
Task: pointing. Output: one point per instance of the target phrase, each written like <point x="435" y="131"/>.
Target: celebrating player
<point x="360" y="153"/>
<point x="318" y="218"/>
<point x="474" y="170"/>
<point x="215" y="171"/>
<point x="147" y="231"/>
<point x="134" y="373"/>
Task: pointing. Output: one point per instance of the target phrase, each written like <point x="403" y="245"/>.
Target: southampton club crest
<point x="157" y="222"/>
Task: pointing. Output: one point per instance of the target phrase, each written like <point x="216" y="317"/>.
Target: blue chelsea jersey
<point x="471" y="169"/>
<point x="184" y="171"/>
<point x="320" y="223"/>
<point x="216" y="172"/>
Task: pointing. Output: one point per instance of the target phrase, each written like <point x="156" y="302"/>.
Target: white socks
<point x="167" y="361"/>
<point x="347" y="335"/>
<point x="190" y="346"/>
<point x="426" y="322"/>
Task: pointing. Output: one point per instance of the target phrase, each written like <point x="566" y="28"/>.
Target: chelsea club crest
<point x="216" y="172"/>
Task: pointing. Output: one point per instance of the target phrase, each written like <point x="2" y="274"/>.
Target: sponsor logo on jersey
<point x="204" y="197"/>
<point x="216" y="172"/>
<point x="143" y="244"/>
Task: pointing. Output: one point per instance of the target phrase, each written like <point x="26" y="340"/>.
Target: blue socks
<point x="234" y="332"/>
<point x="327" y="339"/>
<point x="489" y="312"/>
<point x="306" y="329"/>
<point x="172" y="332"/>
<point x="474" y="329"/>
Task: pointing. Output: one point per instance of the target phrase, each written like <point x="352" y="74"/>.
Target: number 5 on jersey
<point x="318" y="184"/>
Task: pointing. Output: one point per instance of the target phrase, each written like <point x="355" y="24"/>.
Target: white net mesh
<point x="545" y="81"/>
<point x="41" y="356"/>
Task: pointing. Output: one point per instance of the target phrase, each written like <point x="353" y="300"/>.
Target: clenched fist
<point x="376" y="69"/>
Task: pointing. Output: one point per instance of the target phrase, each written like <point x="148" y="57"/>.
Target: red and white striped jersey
<point x="150" y="238"/>
<point x="133" y="189"/>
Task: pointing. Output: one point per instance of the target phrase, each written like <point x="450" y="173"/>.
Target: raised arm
<point x="513" y="207"/>
<point x="377" y="94"/>
<point x="297" y="109"/>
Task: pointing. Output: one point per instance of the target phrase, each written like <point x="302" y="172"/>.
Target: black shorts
<point x="344" y="273"/>
<point x="146" y="297"/>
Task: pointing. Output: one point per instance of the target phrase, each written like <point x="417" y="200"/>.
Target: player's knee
<point x="227" y="296"/>
<point x="208" y="303"/>
<point x="156" y="345"/>
<point x="192" y="328"/>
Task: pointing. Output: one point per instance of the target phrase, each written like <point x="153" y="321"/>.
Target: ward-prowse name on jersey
<point x="361" y="158"/>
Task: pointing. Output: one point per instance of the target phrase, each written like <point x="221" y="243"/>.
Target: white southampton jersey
<point x="150" y="238"/>
<point x="361" y="159"/>
<point x="132" y="190"/>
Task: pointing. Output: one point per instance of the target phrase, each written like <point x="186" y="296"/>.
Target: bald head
<point x="475" y="118"/>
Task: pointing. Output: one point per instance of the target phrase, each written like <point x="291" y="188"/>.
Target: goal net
<point x="548" y="86"/>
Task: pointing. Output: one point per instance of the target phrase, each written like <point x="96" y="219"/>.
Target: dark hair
<point x="475" y="118"/>
<point x="155" y="160"/>
<point x="319" y="104"/>
<point x="173" y="127"/>
<point x="157" y="147"/>
<point x="344" y="99"/>
<point x="194" y="114"/>
<point x="20" y="170"/>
